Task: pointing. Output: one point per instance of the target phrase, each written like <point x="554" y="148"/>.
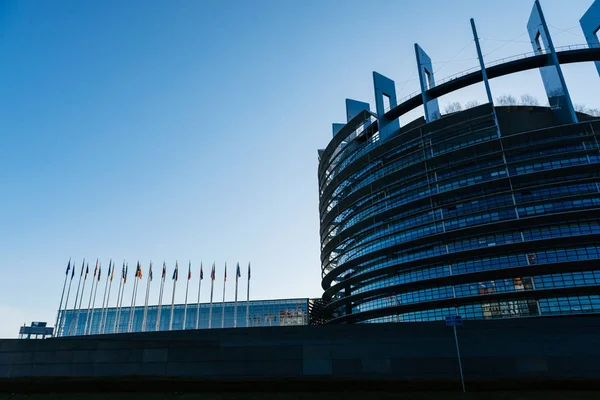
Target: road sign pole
<point x="462" y="379"/>
<point x="453" y="321"/>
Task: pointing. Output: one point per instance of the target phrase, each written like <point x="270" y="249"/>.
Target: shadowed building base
<point x="520" y="354"/>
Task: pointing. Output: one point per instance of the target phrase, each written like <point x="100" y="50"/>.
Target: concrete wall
<point x="502" y="351"/>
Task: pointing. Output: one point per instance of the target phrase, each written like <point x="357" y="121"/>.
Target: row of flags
<point x="97" y="274"/>
<point x="139" y="274"/>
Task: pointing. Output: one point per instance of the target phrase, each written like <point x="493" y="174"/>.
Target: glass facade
<point x="461" y="215"/>
<point x="260" y="313"/>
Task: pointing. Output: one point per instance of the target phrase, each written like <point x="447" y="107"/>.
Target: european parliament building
<point x="488" y="213"/>
<point x="492" y="212"/>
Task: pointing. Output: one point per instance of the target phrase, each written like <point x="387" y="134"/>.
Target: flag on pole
<point x="111" y="273"/>
<point x="160" y="295"/>
<point x="58" y="314"/>
<point x="199" y="288"/>
<point x="146" y="298"/>
<point x="91" y="323"/>
<point x="119" y="301"/>
<point x="176" y="272"/>
<point x="138" y="270"/>
<point x="212" y="286"/>
<point x="223" y="304"/>
<point x="87" y="314"/>
<point x="125" y="270"/>
<point x="69" y="289"/>
<point x="175" y="277"/>
<point x="187" y="287"/>
<point x="248" y="298"/>
<point x="238" y="273"/>
<point x="104" y="300"/>
<point x="87" y="269"/>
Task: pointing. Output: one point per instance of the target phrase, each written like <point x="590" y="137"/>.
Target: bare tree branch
<point x="471" y="104"/>
<point x="453" y="107"/>
<point x="506" y="100"/>
<point x="529" y="100"/>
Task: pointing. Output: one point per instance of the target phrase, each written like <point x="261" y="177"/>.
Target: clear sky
<point x="188" y="130"/>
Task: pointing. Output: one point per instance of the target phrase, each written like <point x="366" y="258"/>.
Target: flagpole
<point x="120" y="308"/>
<point x="175" y="277"/>
<point x="77" y="294"/>
<point x="94" y="302"/>
<point x="199" y="287"/>
<point x="131" y="306"/>
<point x="87" y="314"/>
<point x="133" y="297"/>
<point x="237" y="275"/>
<point x="137" y="286"/>
<point x="146" y="300"/>
<point x="76" y="326"/>
<point x="212" y="287"/>
<point x="223" y="305"/>
<point x="63" y="317"/>
<point x="118" y="299"/>
<point x="104" y="297"/>
<point x="58" y="315"/>
<point x="63" y="314"/>
<point x="120" y="302"/>
<point x="160" y="296"/>
<point x="187" y="286"/>
<point x="112" y="274"/>
<point x="248" y="298"/>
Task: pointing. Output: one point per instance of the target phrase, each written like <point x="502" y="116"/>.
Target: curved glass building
<point x="491" y="212"/>
<point x="453" y="217"/>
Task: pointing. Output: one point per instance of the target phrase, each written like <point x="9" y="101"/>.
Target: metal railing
<point x="404" y="99"/>
<point x="457" y="75"/>
<point x="577" y="47"/>
<point x="515" y="57"/>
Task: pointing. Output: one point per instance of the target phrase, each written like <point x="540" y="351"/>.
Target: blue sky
<point x="188" y="130"/>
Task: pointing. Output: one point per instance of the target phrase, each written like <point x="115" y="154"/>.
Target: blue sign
<point x="454" y="320"/>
